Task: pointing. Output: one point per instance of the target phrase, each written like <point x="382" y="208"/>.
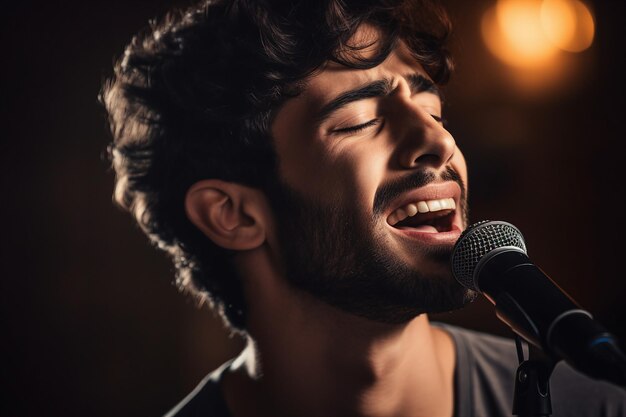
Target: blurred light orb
<point x="568" y="24"/>
<point x="530" y="33"/>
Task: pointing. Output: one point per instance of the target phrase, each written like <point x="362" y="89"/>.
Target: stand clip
<point x="532" y="382"/>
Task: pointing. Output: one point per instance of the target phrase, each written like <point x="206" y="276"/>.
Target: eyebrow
<point x="379" y="88"/>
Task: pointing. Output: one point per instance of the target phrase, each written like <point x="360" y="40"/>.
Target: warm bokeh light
<point x="568" y="24"/>
<point x="530" y="33"/>
<point x="512" y="31"/>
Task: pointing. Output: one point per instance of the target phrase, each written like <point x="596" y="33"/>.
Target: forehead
<point x="331" y="81"/>
<point x="335" y="78"/>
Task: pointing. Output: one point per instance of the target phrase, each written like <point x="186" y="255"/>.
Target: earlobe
<point x="226" y="213"/>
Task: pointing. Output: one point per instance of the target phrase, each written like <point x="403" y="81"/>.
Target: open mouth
<point x="432" y="216"/>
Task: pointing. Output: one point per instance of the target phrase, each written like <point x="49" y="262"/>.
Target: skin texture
<point x="311" y="351"/>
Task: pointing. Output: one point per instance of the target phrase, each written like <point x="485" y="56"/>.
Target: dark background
<point x="92" y="324"/>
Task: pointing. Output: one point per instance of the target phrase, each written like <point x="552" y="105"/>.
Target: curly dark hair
<point x="193" y="98"/>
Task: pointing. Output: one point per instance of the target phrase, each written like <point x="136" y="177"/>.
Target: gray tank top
<point x="484" y="383"/>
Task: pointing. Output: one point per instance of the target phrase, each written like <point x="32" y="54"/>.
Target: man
<point x="291" y="158"/>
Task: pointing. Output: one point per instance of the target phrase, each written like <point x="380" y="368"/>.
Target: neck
<point x="306" y="358"/>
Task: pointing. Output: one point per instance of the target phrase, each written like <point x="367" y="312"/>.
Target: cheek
<point x="319" y="175"/>
<point x="302" y="167"/>
<point x="371" y="173"/>
<point x="460" y="165"/>
<point x="303" y="161"/>
<point x="362" y="170"/>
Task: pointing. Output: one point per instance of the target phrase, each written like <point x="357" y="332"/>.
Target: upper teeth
<point x="412" y="209"/>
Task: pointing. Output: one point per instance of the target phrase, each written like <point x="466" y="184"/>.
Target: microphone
<point x="490" y="258"/>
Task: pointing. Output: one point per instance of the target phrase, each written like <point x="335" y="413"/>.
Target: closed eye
<point x="439" y="120"/>
<point x="356" y="128"/>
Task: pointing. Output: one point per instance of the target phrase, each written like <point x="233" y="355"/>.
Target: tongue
<point x="424" y="228"/>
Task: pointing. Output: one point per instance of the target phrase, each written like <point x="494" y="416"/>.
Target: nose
<point x="424" y="142"/>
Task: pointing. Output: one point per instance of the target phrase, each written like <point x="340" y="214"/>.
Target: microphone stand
<point x="532" y="382"/>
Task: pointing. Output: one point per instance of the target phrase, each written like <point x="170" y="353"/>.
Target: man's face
<point x="359" y="150"/>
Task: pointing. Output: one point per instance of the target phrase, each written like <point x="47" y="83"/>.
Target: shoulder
<point x="486" y="367"/>
<point x="576" y="394"/>
<point x="484" y="372"/>
<point x="491" y="358"/>
<point x="206" y="399"/>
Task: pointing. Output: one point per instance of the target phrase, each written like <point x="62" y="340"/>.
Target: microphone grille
<point x="478" y="240"/>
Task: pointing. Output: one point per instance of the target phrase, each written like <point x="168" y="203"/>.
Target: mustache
<point x="392" y="190"/>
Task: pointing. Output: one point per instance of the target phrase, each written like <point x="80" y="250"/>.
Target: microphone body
<point x="490" y="257"/>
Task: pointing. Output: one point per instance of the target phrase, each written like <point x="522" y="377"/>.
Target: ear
<point x="232" y="215"/>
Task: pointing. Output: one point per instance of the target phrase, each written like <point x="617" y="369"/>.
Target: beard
<point x="331" y="253"/>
